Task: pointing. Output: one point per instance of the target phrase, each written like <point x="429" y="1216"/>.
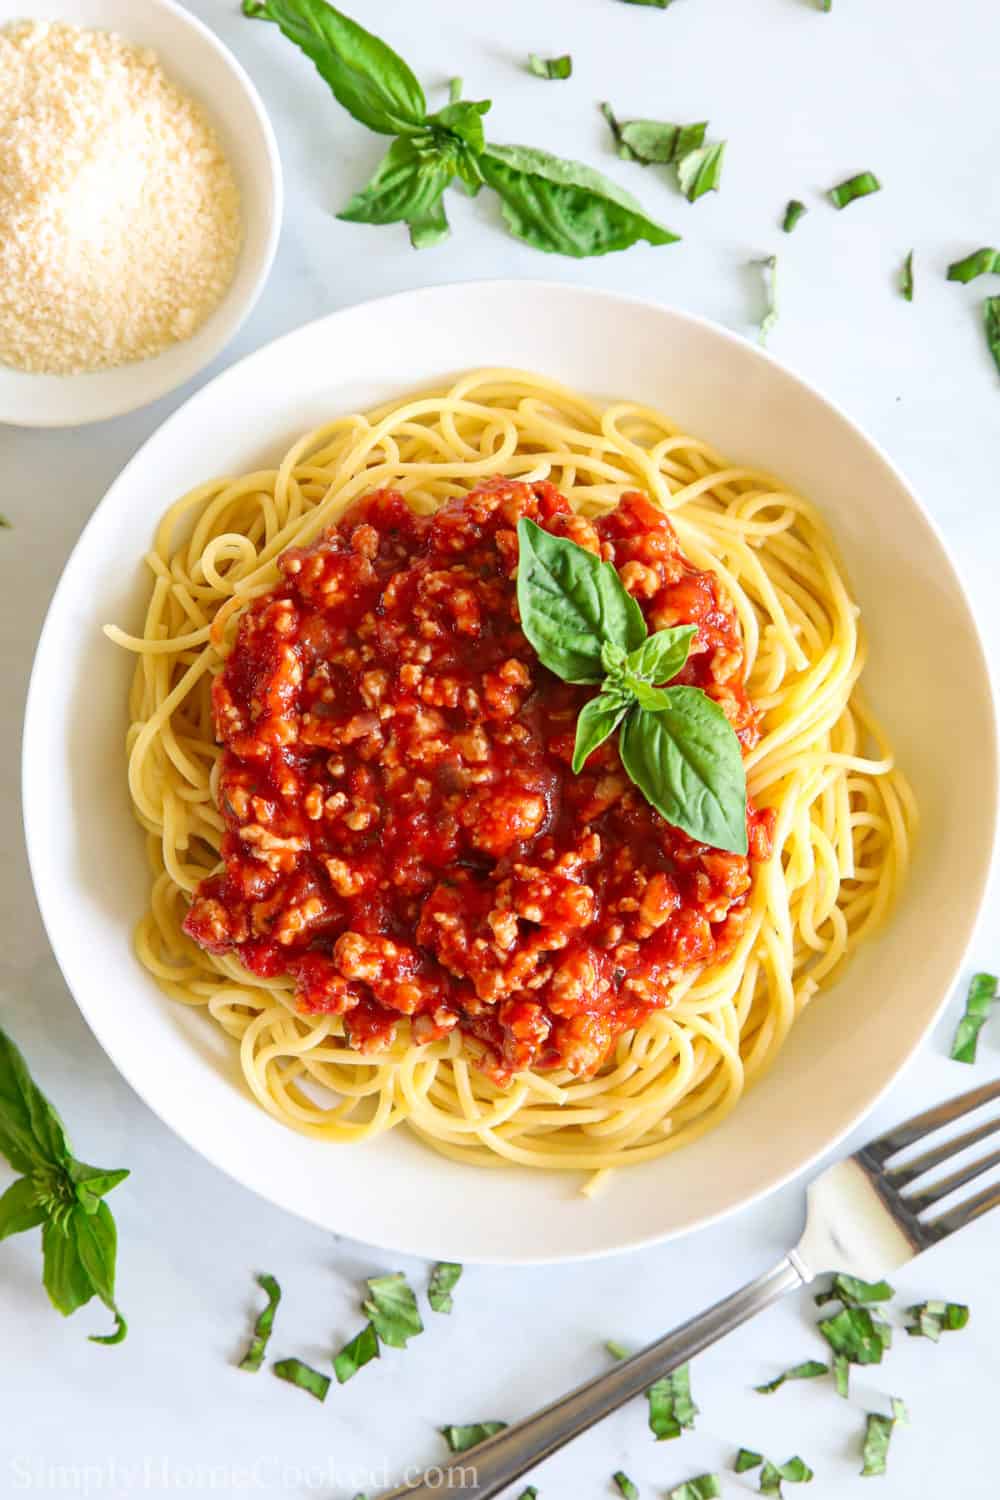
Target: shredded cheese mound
<point x="120" y="221"/>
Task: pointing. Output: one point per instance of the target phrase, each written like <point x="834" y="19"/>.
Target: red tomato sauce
<point x="404" y="834"/>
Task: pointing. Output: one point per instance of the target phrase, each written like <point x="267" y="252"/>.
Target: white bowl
<point x="927" y="678"/>
<point x="194" y="58"/>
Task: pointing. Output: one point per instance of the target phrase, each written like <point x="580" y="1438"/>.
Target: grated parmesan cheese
<point x="120" y="219"/>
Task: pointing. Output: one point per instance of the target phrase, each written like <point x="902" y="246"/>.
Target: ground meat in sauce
<point x="404" y="835"/>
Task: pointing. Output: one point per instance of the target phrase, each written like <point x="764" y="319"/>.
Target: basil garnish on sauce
<point x="59" y="1193"/>
<point x="675" y="743"/>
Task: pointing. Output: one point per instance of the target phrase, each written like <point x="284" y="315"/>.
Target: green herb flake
<point x="853" y="1292"/>
<point x="550" y="67"/>
<point x="652" y="4"/>
<point x="809" y="1370"/>
<point x="700" y="172"/>
<point x="793" y="1471"/>
<point x="906" y="278"/>
<point x="769" y="267"/>
<point x="444" y="1278"/>
<point x="303" y="1376"/>
<point x="626" y="1488"/>
<point x="982" y="993"/>
<point x="991" y="323"/>
<point x="793" y="213"/>
<point x="746" y="1459"/>
<point x="671" y="1408"/>
<point x="392" y="1310"/>
<point x="878" y="1433"/>
<point x="454" y="90"/>
<point x="705" y="1487"/>
<point x="842" y="1375"/>
<point x="985" y="262"/>
<point x="855" y="1334"/>
<point x="855" y="187"/>
<point x="653" y="142"/>
<point x="528" y="1493"/>
<point x="254" y="1357"/>
<point x="616" y="1350"/>
<point x="461" y="1439"/>
<point x="359" y="1351"/>
<point x="931" y="1319"/>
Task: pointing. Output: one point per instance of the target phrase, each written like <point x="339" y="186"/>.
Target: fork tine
<point x="917" y="1202"/>
<point x="901" y="1177"/>
<point x="884" y="1146"/>
<point x="964" y="1213"/>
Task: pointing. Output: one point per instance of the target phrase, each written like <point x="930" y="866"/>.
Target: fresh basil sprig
<point x="558" y="206"/>
<point x="675" y="743"/>
<point x="58" y="1192"/>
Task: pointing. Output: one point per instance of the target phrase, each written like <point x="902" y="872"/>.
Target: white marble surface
<point x="805" y="99"/>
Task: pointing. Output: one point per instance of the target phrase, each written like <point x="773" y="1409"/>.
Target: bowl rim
<point x="424" y="1245"/>
<point x="232" y="322"/>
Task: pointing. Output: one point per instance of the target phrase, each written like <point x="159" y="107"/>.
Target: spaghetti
<point x="842" y="815"/>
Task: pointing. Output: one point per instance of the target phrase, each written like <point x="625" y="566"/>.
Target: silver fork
<point x="861" y="1218"/>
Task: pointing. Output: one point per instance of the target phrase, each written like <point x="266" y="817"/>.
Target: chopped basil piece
<point x="853" y="1292"/>
<point x="254" y="1357"/>
<point x="705" y="1487"/>
<point x="856" y="1335"/>
<point x="671" y="1408"/>
<point x="654" y="142"/>
<point x="461" y="1439"/>
<point x="991" y="322"/>
<point x="794" y="1471"/>
<point x="454" y="90"/>
<point x="769" y="266"/>
<point x="747" y="1459"/>
<point x="985" y="262"/>
<point x="361" y="1349"/>
<point x="825" y="5"/>
<point x="625" y="1486"/>
<point x="550" y="67"/>
<point x="842" y="1375"/>
<point x="855" y="187"/>
<point x="878" y="1432"/>
<point x="616" y="1350"/>
<point x="444" y="1278"/>
<point x="302" y="1375"/>
<point x="700" y="171"/>
<point x="793" y="214"/>
<point x="528" y="1493"/>
<point x="654" y="4"/>
<point x="392" y="1310"/>
<point x="931" y="1319"/>
<point x="982" y="993"/>
<point x="807" y="1371"/>
<point x="906" y="278"/>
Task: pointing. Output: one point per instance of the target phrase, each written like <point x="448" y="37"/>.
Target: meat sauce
<point x="404" y="834"/>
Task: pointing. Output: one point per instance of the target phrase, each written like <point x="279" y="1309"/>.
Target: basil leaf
<point x="855" y="1334"/>
<point x="367" y="77"/>
<point x="906" y="278"/>
<point x="991" y="322"/>
<point x="360" y="1351"/>
<point x="875" y="1449"/>
<point x="652" y="699"/>
<point x="616" y="1350"/>
<point x="550" y="67"/>
<point x="686" y="761"/>
<point x="20" y="1208"/>
<point x="747" y="1459"/>
<point x="705" y="1487"/>
<point x="570" y="603"/>
<point x="461" y="1439"/>
<point x="92" y="1183"/>
<point x="769" y="265"/>
<point x="653" y="142"/>
<point x="392" y="1309"/>
<point x="444" y="1279"/>
<point x="97" y="1247"/>
<point x="793" y="213"/>
<point x="933" y="1318"/>
<point x="853" y="1292"/>
<point x="700" y="171"/>
<point x="564" y="207"/>
<point x="429" y="228"/>
<point x="661" y="656"/>
<point x="855" y="187"/>
<point x="842" y="1375"/>
<point x="463" y="119"/>
<point x="254" y="1357"/>
<point x="794" y="1470"/>
<point x="809" y="1370"/>
<point x="985" y="262"/>
<point x="408" y="184"/>
<point x="625" y="1486"/>
<point x="671" y="1408"/>
<point x="64" y="1275"/>
<point x="598" y="719"/>
<point x="31" y="1133"/>
<point x="978" y="1003"/>
<point x="302" y="1375"/>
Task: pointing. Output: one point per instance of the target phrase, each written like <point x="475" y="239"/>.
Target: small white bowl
<point x="195" y="59"/>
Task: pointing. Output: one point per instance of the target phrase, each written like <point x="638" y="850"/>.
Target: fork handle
<point x="491" y="1466"/>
